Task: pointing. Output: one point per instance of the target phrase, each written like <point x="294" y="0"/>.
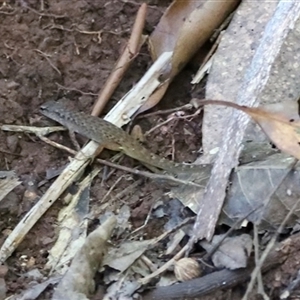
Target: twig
<point x="98" y="33"/>
<point x="59" y="27"/>
<point x="267" y="251"/>
<point x="166" y="111"/>
<point x="111" y="189"/>
<point x="48" y="59"/>
<point x="173" y="147"/>
<point x="173" y="118"/>
<point x="6" y="6"/>
<point x="292" y="286"/>
<point x="11" y="153"/>
<point x="45" y="14"/>
<point x="165" y="267"/>
<point x="148" y="174"/>
<point x="260" y="286"/>
<point x="75" y="90"/>
<point x="125" y="192"/>
<point x="8" y="13"/>
<point x="176" y="257"/>
<point x="39" y="131"/>
<point x="175" y="228"/>
<point x="123" y="63"/>
<point x="98" y="210"/>
<point x="57" y="145"/>
<point x="160" y="125"/>
<point x="145" y="222"/>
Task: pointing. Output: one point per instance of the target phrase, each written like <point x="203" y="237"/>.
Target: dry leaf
<point x="185" y="26"/>
<point x="183" y="29"/>
<point x="123" y="257"/>
<point x="232" y="253"/>
<point x="8" y="181"/>
<point x="270" y="181"/>
<point x="35" y="290"/>
<point x="276" y="188"/>
<point x="282" y="130"/>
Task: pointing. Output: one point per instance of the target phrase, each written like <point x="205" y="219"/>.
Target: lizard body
<point x="111" y="137"/>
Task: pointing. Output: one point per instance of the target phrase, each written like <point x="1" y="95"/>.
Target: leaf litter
<point x="277" y="168"/>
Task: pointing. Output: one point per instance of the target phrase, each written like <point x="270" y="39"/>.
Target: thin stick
<point x="267" y="251"/>
<point x="126" y="169"/>
<point x="166" y="111"/>
<point x="260" y="286"/>
<point x="124" y="61"/>
<point x="148" y="174"/>
<point x="164" y="267"/>
<point x="173" y="118"/>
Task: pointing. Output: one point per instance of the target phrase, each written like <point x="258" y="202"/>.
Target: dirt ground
<point x="55" y="49"/>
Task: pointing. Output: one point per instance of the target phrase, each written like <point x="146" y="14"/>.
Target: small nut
<point x="186" y="269"/>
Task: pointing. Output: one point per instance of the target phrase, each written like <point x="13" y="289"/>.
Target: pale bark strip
<point x="255" y="79"/>
<point x="78" y="282"/>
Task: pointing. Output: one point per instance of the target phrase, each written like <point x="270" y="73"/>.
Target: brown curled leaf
<point x="282" y="130"/>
